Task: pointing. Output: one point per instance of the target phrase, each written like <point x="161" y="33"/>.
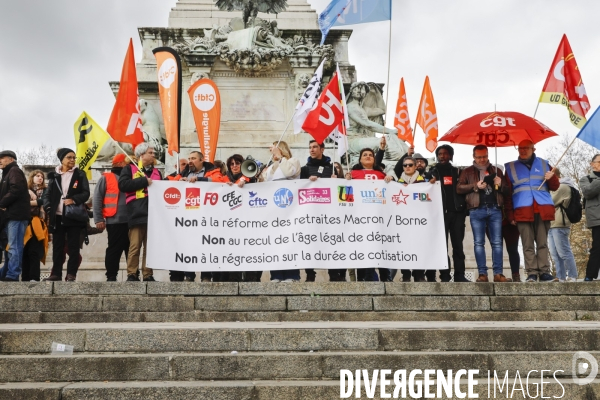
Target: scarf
<point x="410" y="179"/>
<point x="482" y="169"/>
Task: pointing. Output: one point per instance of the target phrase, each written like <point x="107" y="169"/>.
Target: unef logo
<point x="400" y="198"/>
<point x="172" y="196"/>
<point x="205" y="97"/>
<point x="192" y="198"/>
<point x="374" y="196"/>
<point x="283" y="198"/>
<point x="345" y="195"/>
<point x="166" y="74"/>
<point x="421" y="196"/>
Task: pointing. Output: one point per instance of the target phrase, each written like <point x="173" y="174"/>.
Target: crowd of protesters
<point x="526" y="201"/>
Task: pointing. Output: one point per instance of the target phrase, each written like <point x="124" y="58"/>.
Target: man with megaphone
<point x="319" y="166"/>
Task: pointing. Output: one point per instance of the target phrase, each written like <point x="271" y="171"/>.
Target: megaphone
<point x="250" y="167"/>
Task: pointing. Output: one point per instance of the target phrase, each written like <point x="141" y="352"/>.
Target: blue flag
<point x="590" y="133"/>
<point x="362" y="11"/>
<point x="328" y="17"/>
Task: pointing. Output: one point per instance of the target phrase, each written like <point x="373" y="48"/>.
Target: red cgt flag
<point x="125" y="123"/>
<point x="427" y="117"/>
<point x="564" y="85"/>
<point x="401" y="118"/>
<point x="327" y="113"/>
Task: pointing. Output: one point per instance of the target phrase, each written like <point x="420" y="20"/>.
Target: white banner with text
<point x="330" y="223"/>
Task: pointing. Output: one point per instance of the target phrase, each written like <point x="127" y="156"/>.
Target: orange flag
<point x="427" y="117"/>
<point x="564" y="85"/>
<point x="401" y="118"/>
<point x="125" y="123"/>
<point x="168" y="66"/>
<point x="206" y="107"/>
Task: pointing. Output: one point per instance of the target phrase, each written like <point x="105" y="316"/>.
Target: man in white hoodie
<point x="560" y="229"/>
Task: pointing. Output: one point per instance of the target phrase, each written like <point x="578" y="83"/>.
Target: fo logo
<point x="166" y="73"/>
<point x="192" y="198"/>
<point x="172" y="195"/>
<point x="283" y="198"/>
<point x="205" y="97"/>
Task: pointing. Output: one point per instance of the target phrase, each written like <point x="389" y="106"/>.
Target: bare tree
<point x="41" y="155"/>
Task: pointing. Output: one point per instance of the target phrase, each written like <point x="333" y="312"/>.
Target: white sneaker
<point x="561" y="280"/>
<point x="569" y="279"/>
<point x="290" y="280"/>
<point x="275" y="280"/>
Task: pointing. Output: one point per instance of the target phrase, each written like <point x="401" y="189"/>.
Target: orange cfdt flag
<point x="401" y="118"/>
<point x="125" y="123"/>
<point x="564" y="85"/>
<point x="427" y="117"/>
<point x="168" y="66"/>
<point x="206" y="107"/>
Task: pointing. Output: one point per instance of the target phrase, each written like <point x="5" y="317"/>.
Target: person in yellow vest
<point x="134" y="181"/>
<point x="110" y="213"/>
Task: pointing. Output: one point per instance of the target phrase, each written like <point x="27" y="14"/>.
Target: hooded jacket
<point x="590" y="188"/>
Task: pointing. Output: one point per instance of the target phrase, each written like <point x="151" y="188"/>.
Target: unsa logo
<point x="205" y="97"/>
<point x="172" y="195"/>
<point x="166" y="74"/>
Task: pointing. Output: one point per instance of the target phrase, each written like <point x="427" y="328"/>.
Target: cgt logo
<point x="192" y="198"/>
<point x="172" y="196"/>
<point x="255" y="201"/>
<point x="421" y="196"/>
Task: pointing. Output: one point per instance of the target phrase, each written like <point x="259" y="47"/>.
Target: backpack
<point x="575" y="209"/>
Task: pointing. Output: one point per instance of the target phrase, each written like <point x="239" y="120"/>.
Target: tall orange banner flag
<point x="206" y="107"/>
<point x="168" y="65"/>
<point x="427" y="117"/>
<point x="564" y="85"/>
<point x="125" y="123"/>
<point x="401" y="118"/>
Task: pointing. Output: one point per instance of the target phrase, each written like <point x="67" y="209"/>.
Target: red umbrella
<point x="498" y="129"/>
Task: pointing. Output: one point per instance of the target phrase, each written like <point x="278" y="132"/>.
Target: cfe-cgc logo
<point x="314" y="196"/>
<point x="345" y="195"/>
<point x="283" y="198"/>
<point x="192" y="198"/>
<point x="375" y="196"/>
<point x="256" y="201"/>
<point x="233" y="200"/>
<point x="172" y="196"/>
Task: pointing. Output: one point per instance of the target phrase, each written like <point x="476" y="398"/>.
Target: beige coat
<point x="561" y="197"/>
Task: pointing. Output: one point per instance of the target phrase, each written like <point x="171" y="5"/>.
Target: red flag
<point x="125" y="123"/>
<point x="427" y="117"/>
<point x="401" y="118"/>
<point x="564" y="84"/>
<point x="206" y="107"/>
<point x="327" y="113"/>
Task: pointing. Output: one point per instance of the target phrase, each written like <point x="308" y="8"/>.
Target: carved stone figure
<point x="251" y="8"/>
<point x="366" y="109"/>
<point x="302" y="81"/>
<point x="196" y="76"/>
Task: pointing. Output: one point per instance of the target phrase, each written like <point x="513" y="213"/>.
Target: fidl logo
<point x="374" y="196"/>
<point x="192" y="198"/>
<point x="345" y="194"/>
<point x="421" y="196"/>
<point x="283" y="198"/>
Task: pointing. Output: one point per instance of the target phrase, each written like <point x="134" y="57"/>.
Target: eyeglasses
<point x="525" y="148"/>
<point x="71" y="158"/>
<point x="481" y="157"/>
<point x="408" y="165"/>
<point x="235" y="163"/>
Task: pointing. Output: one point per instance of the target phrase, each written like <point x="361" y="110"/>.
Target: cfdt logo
<point x="205" y="97"/>
<point x="375" y="196"/>
<point x="421" y="196"/>
<point x="345" y="194"/>
<point x="233" y="200"/>
<point x="172" y="196"/>
<point x="283" y="198"/>
<point x="255" y="201"/>
<point x="166" y="73"/>
<point x="314" y="196"/>
<point x="400" y="198"/>
<point x="192" y="198"/>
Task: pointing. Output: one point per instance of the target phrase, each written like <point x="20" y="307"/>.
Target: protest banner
<point x="330" y="223"/>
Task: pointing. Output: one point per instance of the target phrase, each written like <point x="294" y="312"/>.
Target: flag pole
<point x="124" y="152"/>
<point x="283" y="134"/>
<point x="387" y="87"/>
<point x="558" y="162"/>
<point x="536" y="108"/>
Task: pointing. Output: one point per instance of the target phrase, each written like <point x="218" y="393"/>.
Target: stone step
<point x="282" y="316"/>
<point x="304" y="336"/>
<point x="267" y="365"/>
<point x="257" y="390"/>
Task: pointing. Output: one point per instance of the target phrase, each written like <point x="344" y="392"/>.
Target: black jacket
<point x="438" y="173"/>
<point x="79" y="192"/>
<point x="14" y="195"/>
<point x="138" y="208"/>
<point x="313" y="165"/>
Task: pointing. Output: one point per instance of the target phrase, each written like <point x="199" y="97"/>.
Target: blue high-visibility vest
<point x="526" y="181"/>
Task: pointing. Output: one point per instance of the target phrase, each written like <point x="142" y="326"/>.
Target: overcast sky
<point x="58" y="57"/>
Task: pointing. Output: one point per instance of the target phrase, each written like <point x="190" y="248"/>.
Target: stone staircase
<point x="162" y="340"/>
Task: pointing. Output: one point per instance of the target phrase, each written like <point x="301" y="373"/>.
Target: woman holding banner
<point x="284" y="167"/>
<point x="367" y="168"/>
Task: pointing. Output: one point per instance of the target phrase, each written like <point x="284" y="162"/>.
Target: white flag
<point x="308" y="99"/>
<point x="341" y="140"/>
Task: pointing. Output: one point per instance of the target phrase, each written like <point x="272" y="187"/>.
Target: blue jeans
<point x="15" y="230"/>
<point x="560" y="249"/>
<point x="490" y="218"/>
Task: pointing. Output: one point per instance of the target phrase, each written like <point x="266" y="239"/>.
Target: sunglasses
<point x="408" y="165"/>
<point x="235" y="163"/>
